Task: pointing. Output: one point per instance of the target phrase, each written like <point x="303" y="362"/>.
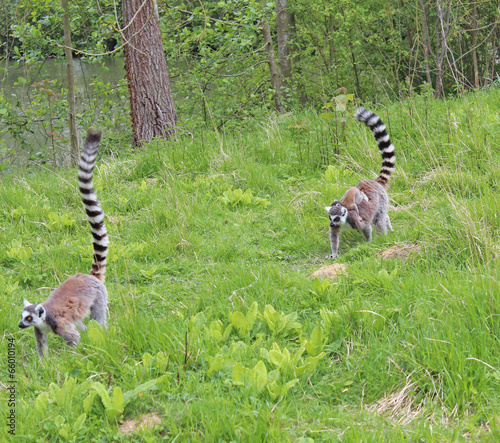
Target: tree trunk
<point x="70" y="78"/>
<point x="355" y="70"/>
<point x="427" y="42"/>
<point x="474" y="46"/>
<point x="443" y="25"/>
<point x="494" y="53"/>
<point x="152" y="107"/>
<point x="283" y="28"/>
<point x="273" y="67"/>
<point x="296" y="62"/>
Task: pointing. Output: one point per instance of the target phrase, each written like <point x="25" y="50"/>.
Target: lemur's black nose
<point x="22" y="325"/>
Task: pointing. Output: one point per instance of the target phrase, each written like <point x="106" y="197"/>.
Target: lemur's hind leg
<point x="367" y="230"/>
<point x="98" y="310"/>
<point x="380" y="223"/>
<point x="388" y="222"/>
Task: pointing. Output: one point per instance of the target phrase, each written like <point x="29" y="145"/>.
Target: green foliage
<point x="238" y="197"/>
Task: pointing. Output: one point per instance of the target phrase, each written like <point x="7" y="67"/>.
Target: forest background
<point x="258" y="56"/>
<point x="219" y="331"/>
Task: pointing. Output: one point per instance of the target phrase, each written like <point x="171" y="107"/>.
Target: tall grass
<point x="403" y="348"/>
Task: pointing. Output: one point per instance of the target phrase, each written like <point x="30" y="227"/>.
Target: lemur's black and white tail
<point x="374" y="122"/>
<point x="92" y="205"/>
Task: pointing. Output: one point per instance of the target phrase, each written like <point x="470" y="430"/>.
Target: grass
<point x="217" y="333"/>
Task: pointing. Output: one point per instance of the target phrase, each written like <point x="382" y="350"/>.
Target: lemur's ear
<point x="327" y="208"/>
<point x="26" y="303"/>
<point x="40" y="311"/>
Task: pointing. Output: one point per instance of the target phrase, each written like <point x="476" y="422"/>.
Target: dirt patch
<point x="143" y="422"/>
<point x="330" y="271"/>
<point x="402" y="252"/>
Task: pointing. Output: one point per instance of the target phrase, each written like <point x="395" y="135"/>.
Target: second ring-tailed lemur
<point x="365" y="204"/>
<point x="71" y="302"/>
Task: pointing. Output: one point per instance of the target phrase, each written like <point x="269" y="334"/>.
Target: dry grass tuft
<point x="399" y="405"/>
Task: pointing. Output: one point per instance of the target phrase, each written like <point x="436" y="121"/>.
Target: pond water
<point x="110" y="70"/>
<point x="33" y="124"/>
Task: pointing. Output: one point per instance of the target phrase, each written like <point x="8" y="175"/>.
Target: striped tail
<point x="92" y="205"/>
<point x="384" y="143"/>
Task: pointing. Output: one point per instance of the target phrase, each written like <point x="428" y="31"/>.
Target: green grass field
<point x="218" y="333"/>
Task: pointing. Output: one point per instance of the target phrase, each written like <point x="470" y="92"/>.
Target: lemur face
<point x="33" y="315"/>
<point x="337" y="213"/>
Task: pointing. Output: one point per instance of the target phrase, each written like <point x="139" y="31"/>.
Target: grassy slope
<point x="420" y="336"/>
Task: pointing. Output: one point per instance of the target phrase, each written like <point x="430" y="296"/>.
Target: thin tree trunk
<point x="494" y="53"/>
<point x="296" y="62"/>
<point x="355" y="70"/>
<point x="474" y="45"/>
<point x="283" y="20"/>
<point x="152" y="107"/>
<point x="443" y="15"/>
<point x="273" y="67"/>
<point x="70" y="78"/>
<point x="426" y="42"/>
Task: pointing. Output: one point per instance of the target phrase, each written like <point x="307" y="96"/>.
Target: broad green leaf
<point x="259" y="376"/>
<point x="252" y="315"/>
<point x="117" y="402"/>
<point x="277" y="358"/>
<point x="87" y="403"/>
<point x="79" y="422"/>
<point x="239" y="374"/>
<point x="247" y="197"/>
<point x="41" y="402"/>
<point x="315" y="343"/>
<point x="220" y="362"/>
<point x="96" y="337"/>
<point x="64" y="433"/>
<point x="239" y="321"/>
<point x="103" y="394"/>
<point x="130" y="395"/>
<point x="215" y="329"/>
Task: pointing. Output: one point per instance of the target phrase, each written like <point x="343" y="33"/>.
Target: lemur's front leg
<point x="334" y="241"/>
<point x="41" y="341"/>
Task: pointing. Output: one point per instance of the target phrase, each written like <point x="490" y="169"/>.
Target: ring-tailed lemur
<point x="366" y="203"/>
<point x="70" y="303"/>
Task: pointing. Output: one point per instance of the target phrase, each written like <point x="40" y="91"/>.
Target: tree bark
<point x="355" y="70"/>
<point x="283" y="28"/>
<point x="494" y="53"/>
<point x="273" y="67"/>
<point x="152" y="107"/>
<point x="70" y="79"/>
<point x="443" y="26"/>
<point x="426" y="42"/>
<point x="474" y="46"/>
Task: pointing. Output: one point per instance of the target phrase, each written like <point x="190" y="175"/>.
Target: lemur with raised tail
<point x="72" y="301"/>
<point x="365" y="204"/>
